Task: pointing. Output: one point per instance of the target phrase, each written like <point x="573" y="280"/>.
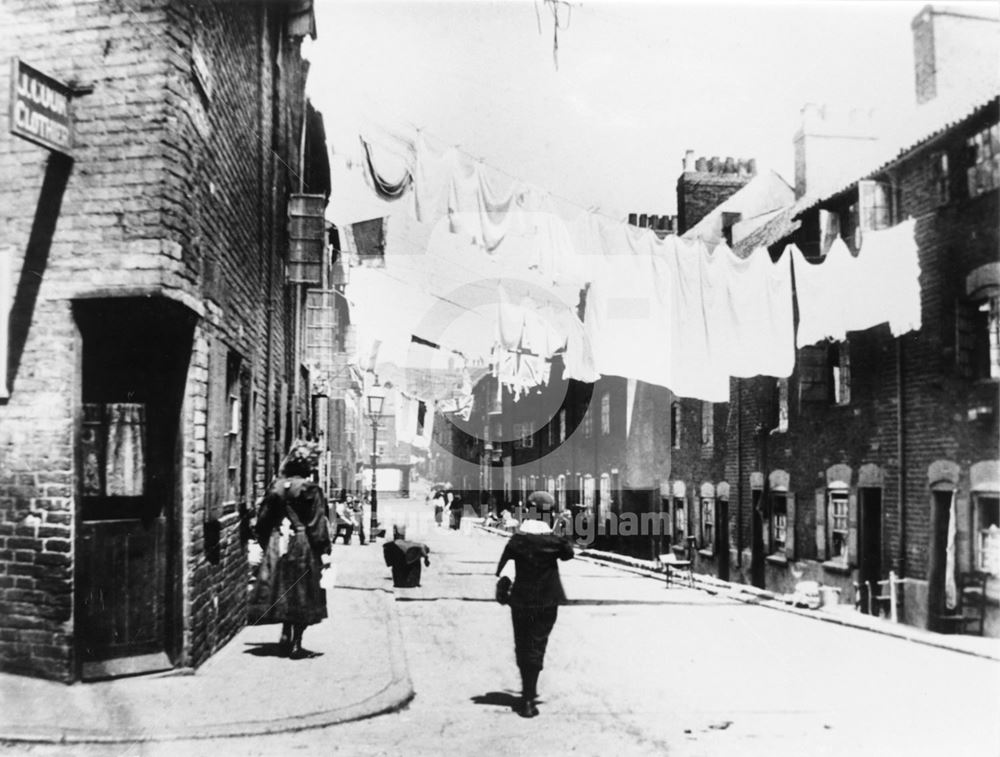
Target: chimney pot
<point x="714" y="165"/>
<point x="752" y="166"/>
<point x="633" y="219"/>
<point x="701" y="165"/>
<point x="643" y="221"/>
<point x="730" y="165"/>
<point x="688" y="161"/>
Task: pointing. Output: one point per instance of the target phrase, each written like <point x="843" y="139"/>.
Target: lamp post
<point x="375" y="399"/>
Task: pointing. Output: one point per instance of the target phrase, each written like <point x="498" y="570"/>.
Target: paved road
<point x="635" y="669"/>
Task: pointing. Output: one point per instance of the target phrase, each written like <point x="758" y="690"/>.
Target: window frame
<point x="679" y="521"/>
<point x="707" y="425"/>
<point x="708" y="524"/>
<point x="782" y="405"/>
<point x="840" y="373"/>
<point x="836" y="497"/>
<point x="604" y="496"/>
<point x="606" y="414"/>
<point x="983" y="165"/>
<point x="524" y="433"/>
<point x="778" y="523"/>
<point x="940" y="176"/>
<point x="981" y="534"/>
<point x="588" y="493"/>
<point x="977" y="335"/>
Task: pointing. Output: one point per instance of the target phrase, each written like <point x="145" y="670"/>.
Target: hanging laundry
<point x="889" y="265"/>
<point x="125" y="469"/>
<point x="627" y="317"/>
<point x="480" y="208"/>
<point x="425" y="425"/>
<point x="819" y="291"/>
<point x="432" y="170"/>
<point x="847" y="293"/>
<point x="405" y="411"/>
<point x="369" y="238"/>
<point x="384" y="188"/>
<point x="697" y="336"/>
<point x="757" y="313"/>
<point x="510" y="320"/>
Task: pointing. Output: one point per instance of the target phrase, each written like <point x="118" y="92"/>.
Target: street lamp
<point x="376" y="396"/>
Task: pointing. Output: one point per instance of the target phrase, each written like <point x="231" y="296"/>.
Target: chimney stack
<point x="711" y="182"/>
<point x="951" y="49"/>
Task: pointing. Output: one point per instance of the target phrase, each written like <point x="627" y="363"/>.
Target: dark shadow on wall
<point x="36" y="257"/>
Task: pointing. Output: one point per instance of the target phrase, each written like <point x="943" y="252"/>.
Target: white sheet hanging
<point x="627" y="316"/>
<point x="821" y="289"/>
<point x="889" y="264"/>
<point x="847" y="293"/>
<point x="697" y="353"/>
<point x="757" y="313"/>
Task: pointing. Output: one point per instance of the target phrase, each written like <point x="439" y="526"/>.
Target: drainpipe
<point x="269" y="429"/>
<point x="739" y="474"/>
<point x="900" y="442"/>
<point x="264" y="64"/>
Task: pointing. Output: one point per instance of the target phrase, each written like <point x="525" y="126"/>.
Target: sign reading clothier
<point x="39" y="108"/>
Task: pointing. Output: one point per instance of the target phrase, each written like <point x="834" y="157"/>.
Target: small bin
<point x="829" y="595"/>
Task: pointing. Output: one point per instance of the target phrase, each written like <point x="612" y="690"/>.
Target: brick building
<point x="878" y="454"/>
<point x="155" y="371"/>
<point x="875" y="444"/>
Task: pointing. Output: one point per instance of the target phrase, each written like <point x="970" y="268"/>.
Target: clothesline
<point x="591" y="209"/>
<point x="663" y="310"/>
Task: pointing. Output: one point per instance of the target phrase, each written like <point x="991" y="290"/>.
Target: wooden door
<point x="722" y="537"/>
<point x="135" y="355"/>
<point x="870" y="543"/>
<point x="122" y="593"/>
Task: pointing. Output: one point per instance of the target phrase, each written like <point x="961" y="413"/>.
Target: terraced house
<point x="159" y="236"/>
<point x="872" y="469"/>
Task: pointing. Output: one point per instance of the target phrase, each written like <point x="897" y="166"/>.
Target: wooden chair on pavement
<point x="972" y="601"/>
<point x="883" y="596"/>
<point x="671" y="563"/>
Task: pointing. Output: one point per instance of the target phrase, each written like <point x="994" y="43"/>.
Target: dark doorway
<point x="722" y="538"/>
<point x="937" y="557"/>
<point x="757" y="577"/>
<point x="135" y="354"/>
<point x="869" y="544"/>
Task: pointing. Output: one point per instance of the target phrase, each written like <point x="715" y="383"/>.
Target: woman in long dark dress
<point x="534" y="600"/>
<point x="288" y="586"/>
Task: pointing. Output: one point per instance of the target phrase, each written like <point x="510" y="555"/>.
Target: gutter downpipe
<point x="739" y="474"/>
<point x="269" y="440"/>
<point x="900" y="446"/>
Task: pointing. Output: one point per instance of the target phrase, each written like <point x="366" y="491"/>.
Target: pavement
<point x="842" y="614"/>
<point x="225" y="697"/>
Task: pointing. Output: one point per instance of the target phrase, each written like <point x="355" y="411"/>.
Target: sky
<point x="636" y="84"/>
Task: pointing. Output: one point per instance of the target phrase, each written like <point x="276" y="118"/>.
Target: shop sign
<point x="39" y="108"/>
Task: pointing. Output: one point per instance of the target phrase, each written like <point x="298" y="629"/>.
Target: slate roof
<point x="933" y="120"/>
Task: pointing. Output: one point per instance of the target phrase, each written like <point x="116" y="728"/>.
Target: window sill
<point x="840" y="568"/>
<point x="706" y="553"/>
<point x="777" y="559"/>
